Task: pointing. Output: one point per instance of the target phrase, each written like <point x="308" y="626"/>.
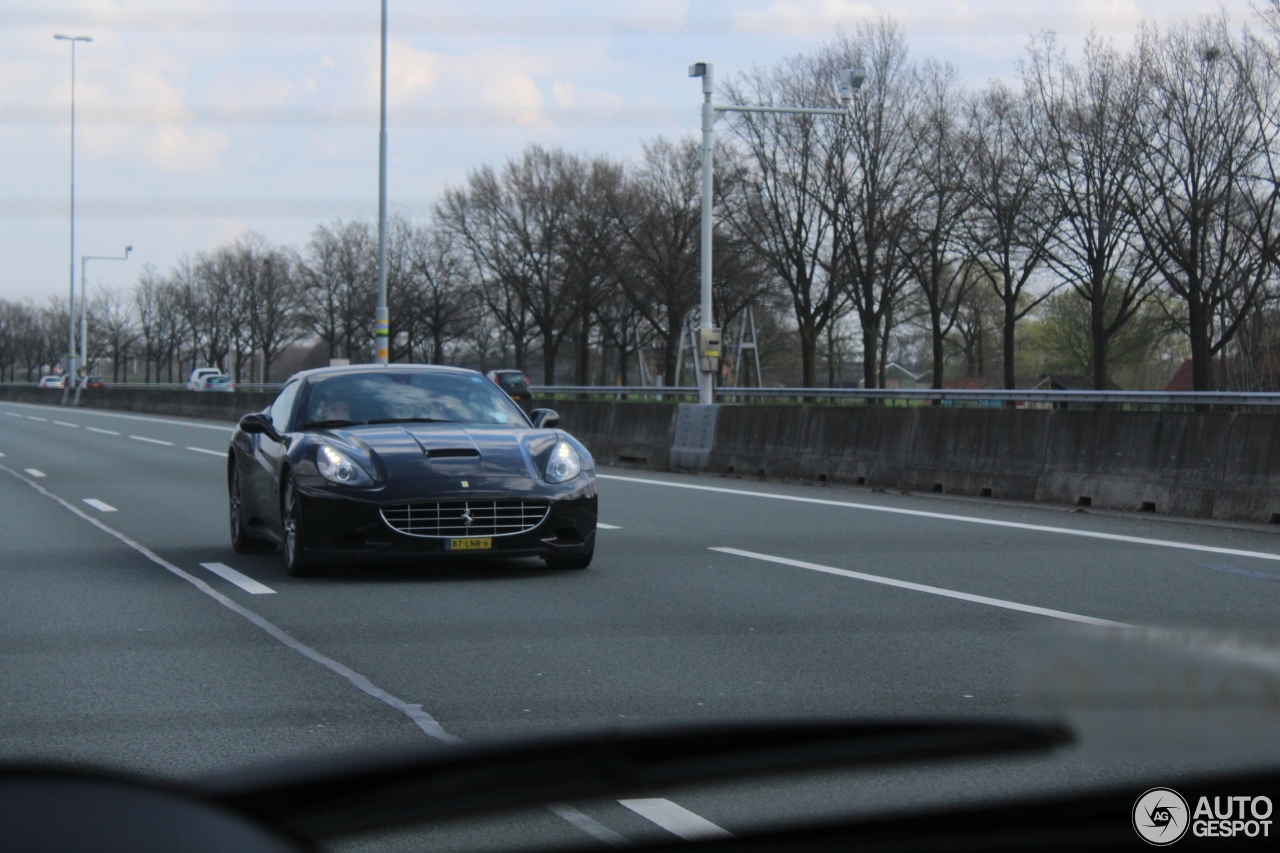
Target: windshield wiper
<point x="332" y="422"/>
<point x="412" y="421"/>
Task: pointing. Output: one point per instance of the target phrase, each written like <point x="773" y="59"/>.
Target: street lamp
<point x="71" y="308"/>
<point x="380" y="317"/>
<point x="851" y="80"/>
<point x="84" y="302"/>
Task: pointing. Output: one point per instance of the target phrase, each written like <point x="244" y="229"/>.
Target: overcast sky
<point x="201" y="119"/>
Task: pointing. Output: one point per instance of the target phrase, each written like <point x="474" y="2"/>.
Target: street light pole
<point x="71" y="305"/>
<point x="84" y="301"/>
<point x="381" y="317"/>
<point x="850" y="81"/>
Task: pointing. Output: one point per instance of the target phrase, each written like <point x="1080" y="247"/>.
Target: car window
<point x="283" y="406"/>
<point x="408" y="396"/>
<point x="511" y="381"/>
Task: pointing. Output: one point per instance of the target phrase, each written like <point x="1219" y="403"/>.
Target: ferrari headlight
<point x="336" y="467"/>
<point x="564" y="464"/>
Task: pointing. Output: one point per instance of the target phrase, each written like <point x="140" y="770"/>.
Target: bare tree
<point x="787" y="208"/>
<point x="1196" y="203"/>
<point x="340" y="287"/>
<point x="1087" y="129"/>
<point x="874" y="191"/>
<point x="1011" y="215"/>
<point x="445" y="300"/>
<point x="117" y="329"/>
<point x="935" y="253"/>
<point x="655" y="212"/>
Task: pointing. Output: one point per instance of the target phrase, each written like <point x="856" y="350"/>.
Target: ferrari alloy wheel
<point x="241" y="542"/>
<point x="295" y="561"/>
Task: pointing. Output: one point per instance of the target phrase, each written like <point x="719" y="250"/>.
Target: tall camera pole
<point x="381" y="317"/>
<point x="850" y="80"/>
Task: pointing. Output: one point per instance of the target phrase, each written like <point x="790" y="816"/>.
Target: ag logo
<point x="1160" y="816"/>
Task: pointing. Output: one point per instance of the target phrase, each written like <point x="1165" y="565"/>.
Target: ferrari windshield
<point x="408" y="397"/>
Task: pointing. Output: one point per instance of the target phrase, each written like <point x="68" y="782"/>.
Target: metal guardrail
<point x="948" y="396"/>
<point x="965" y="396"/>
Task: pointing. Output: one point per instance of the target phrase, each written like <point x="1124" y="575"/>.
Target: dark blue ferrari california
<point x="408" y="461"/>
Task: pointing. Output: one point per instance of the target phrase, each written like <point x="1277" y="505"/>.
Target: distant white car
<point x="196" y="382"/>
<point x="217" y="382"/>
<point x="53" y="380"/>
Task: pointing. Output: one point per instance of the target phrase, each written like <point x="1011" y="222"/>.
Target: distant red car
<point x="95" y="382"/>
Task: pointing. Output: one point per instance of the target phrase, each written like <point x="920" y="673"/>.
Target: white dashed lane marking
<point x="64" y="423"/>
<point x="676" y="819"/>
<point x="103" y="431"/>
<point x="151" y="440"/>
<point x="218" y="453"/>
<point x="34" y="418"/>
<point x="245" y="582"/>
<point x="603" y="526"/>
<point x="100" y="506"/>
<point x="34" y="472"/>
<point x="13" y="414"/>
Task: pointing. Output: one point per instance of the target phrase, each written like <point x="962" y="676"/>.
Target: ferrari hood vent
<point x="448" y="452"/>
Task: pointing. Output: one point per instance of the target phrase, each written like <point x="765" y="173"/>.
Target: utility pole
<point x="381" y="318"/>
<point x="708" y="337"/>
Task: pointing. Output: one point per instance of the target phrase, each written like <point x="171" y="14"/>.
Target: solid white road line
<point x="931" y="590"/>
<point x="607" y="526"/>
<point x="414" y="712"/>
<point x="34" y="472"/>
<point x="103" y="431"/>
<point x="64" y="423"/>
<point x="99" y="505"/>
<point x="245" y="582"/>
<point x="968" y="519"/>
<point x="421" y="718"/>
<point x="210" y="452"/>
<point x="151" y="440"/>
<point x="676" y="819"/>
<point x="589" y="825"/>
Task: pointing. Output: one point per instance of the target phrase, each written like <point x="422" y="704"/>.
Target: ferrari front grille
<point x="466" y="518"/>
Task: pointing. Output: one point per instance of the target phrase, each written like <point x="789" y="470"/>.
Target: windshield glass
<point x="512" y="381"/>
<point x="408" y="396"/>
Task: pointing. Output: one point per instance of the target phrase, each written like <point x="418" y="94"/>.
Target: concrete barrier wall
<point x="1205" y="464"/>
<point x="631" y="434"/>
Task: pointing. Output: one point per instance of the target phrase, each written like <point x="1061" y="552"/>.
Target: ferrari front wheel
<point x="295" y="559"/>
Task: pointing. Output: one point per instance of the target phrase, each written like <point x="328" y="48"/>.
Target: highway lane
<point x="660" y="629"/>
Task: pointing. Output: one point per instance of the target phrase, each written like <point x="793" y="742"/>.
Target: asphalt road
<point x="119" y="648"/>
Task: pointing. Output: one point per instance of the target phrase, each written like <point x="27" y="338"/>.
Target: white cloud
<point x="185" y="150"/>
<point x="313" y="73"/>
<point x="568" y="96"/>
<point x="653" y="16"/>
<point x="957" y="18"/>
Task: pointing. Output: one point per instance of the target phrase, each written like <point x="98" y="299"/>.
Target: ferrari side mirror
<point x="545" y="418"/>
<point x="259" y="424"/>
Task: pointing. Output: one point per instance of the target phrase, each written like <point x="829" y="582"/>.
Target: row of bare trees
<point x="1134" y="183"/>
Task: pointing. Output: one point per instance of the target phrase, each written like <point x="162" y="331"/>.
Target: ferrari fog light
<point x="336" y="467"/>
<point x="564" y="464"/>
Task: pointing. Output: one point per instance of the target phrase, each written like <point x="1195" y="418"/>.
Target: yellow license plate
<point x="473" y="544"/>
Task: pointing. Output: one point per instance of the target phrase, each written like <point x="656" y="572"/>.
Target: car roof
<point x="317" y="372"/>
